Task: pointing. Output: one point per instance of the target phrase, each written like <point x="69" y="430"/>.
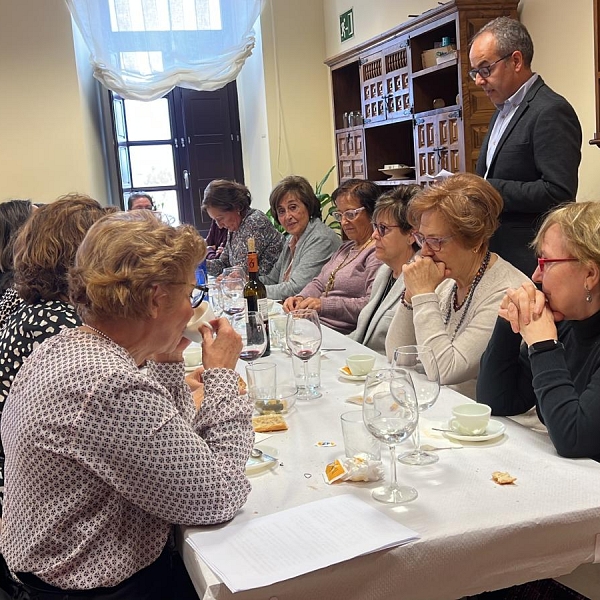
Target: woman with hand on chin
<point x="341" y="290"/>
<point x="557" y="370"/>
<point x="453" y="289"/>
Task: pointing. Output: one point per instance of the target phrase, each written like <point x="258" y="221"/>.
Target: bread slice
<point x="265" y="423"/>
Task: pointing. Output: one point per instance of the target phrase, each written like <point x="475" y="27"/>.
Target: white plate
<point x="255" y="466"/>
<point x="494" y="429"/>
<point x="345" y="375"/>
<point x="275" y="309"/>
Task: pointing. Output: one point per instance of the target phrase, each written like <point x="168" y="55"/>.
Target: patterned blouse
<point x="103" y="458"/>
<point x="8" y="304"/>
<point x="269" y="244"/>
<point x="23" y="331"/>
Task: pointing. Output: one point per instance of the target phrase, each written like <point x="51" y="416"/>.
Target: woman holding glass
<point x="453" y="288"/>
<point x="342" y="288"/>
<point x="309" y="244"/>
<point x="394" y="246"/>
<point x="102" y="465"/>
<point x="557" y="369"/>
<point x="228" y="204"/>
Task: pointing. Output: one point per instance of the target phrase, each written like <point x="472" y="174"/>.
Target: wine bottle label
<point x="252" y="263"/>
<point x="263" y="308"/>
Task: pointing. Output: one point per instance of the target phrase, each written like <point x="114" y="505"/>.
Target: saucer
<point x="345" y="375"/>
<point x="494" y="429"/>
<point x="255" y="466"/>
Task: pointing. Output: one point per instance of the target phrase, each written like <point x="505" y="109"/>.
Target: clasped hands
<point x="422" y="275"/>
<point x="527" y="311"/>
<point x="298" y="302"/>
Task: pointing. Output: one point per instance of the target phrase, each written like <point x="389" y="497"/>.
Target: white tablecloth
<point x="475" y="534"/>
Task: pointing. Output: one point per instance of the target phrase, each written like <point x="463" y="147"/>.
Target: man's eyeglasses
<point x="349" y="215"/>
<point x="197" y="295"/>
<point x="542" y="262"/>
<point x="382" y="229"/>
<point x="435" y="243"/>
<point x="485" y="72"/>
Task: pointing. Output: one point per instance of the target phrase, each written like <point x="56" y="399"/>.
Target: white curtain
<point x="142" y="49"/>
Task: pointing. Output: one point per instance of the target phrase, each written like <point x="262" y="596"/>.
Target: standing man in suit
<point x="532" y="150"/>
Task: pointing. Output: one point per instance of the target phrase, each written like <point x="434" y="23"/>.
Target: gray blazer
<point x="535" y="168"/>
<point x="314" y="249"/>
<point x="375" y="318"/>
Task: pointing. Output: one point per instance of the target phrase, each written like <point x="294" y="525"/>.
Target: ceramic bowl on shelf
<point x="397" y="171"/>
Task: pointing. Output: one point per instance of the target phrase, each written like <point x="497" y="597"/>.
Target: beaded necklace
<point x="453" y="301"/>
<point x="346" y="261"/>
<point x="100" y="333"/>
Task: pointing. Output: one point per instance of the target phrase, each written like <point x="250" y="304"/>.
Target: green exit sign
<point x="346" y="25"/>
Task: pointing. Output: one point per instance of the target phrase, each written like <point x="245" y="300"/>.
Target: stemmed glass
<point x="303" y="333"/>
<point x="252" y="329"/>
<point x="420" y="362"/>
<point x="391" y="414"/>
<point x="232" y="289"/>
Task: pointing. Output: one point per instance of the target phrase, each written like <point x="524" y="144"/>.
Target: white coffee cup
<point x="202" y="314"/>
<point x="470" y="419"/>
<point x="360" y="364"/>
<point x="192" y="356"/>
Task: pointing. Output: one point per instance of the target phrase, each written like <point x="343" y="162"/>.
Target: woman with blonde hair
<point x="103" y="458"/>
<point x="557" y="369"/>
<point x="453" y="288"/>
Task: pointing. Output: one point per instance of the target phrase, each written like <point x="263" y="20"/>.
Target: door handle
<point x="186" y="179"/>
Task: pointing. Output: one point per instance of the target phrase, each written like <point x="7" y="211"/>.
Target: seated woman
<point x="216" y="239"/>
<point x="341" y="290"/>
<point x="453" y="289"/>
<point x="42" y="260"/>
<point x="12" y="216"/>
<point x="228" y="203"/>
<point x="310" y="242"/>
<point x="102" y="458"/>
<point x="395" y="246"/>
<point x="557" y="370"/>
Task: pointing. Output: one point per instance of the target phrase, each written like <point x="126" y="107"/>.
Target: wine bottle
<point x="255" y="292"/>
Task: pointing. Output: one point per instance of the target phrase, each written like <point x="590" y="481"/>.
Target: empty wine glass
<point x="215" y="298"/>
<point x="391" y="414"/>
<point x="232" y="289"/>
<point x="252" y="329"/>
<point x="420" y="362"/>
<point x="303" y="333"/>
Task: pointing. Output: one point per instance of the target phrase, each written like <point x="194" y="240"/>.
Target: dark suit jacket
<point x="535" y="168"/>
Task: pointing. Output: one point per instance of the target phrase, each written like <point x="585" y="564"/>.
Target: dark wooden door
<point x="213" y="148"/>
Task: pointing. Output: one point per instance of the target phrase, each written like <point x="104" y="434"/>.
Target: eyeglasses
<point x="486" y="71"/>
<point x="435" y="243"/>
<point x="349" y="215"/>
<point x="197" y="295"/>
<point x="382" y="229"/>
<point x="543" y="261"/>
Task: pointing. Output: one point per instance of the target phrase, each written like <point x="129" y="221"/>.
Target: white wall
<point x="47" y="144"/>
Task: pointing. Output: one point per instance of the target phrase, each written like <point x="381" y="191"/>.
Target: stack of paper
<point x="296" y="541"/>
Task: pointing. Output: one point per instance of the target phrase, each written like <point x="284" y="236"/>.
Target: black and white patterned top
<point x="8" y="304"/>
<point x="102" y="459"/>
<point x="24" y="330"/>
<point x="269" y="244"/>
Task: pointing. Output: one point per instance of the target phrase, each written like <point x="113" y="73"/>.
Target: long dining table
<point x="475" y="535"/>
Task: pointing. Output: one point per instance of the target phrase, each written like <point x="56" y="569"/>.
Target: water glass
<point x="357" y="439"/>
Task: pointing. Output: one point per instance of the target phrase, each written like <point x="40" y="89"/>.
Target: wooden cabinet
<point x="431" y="116"/>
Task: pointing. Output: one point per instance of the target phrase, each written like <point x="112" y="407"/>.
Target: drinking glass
<point x="215" y="298"/>
<point x="254" y="337"/>
<point x="420" y="362"/>
<point x="391" y="414"/>
<point x="232" y="289"/>
<point x="303" y="332"/>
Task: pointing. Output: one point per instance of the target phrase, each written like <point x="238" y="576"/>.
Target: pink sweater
<point x="352" y="288"/>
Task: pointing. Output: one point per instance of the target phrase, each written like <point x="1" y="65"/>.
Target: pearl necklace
<point x="100" y="333"/>
<point x="453" y="300"/>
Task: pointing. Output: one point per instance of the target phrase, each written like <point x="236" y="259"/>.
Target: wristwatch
<point x="543" y="346"/>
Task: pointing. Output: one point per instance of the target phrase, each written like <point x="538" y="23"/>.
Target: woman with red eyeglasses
<point x="454" y="286"/>
<point x="557" y="369"/>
